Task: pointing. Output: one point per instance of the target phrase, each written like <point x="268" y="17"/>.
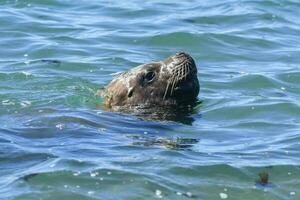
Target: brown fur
<point x="170" y="82"/>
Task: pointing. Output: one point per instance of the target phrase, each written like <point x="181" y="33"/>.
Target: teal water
<point x="56" y="141"/>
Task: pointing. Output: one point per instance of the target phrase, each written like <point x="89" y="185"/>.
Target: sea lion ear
<point x="130" y="92"/>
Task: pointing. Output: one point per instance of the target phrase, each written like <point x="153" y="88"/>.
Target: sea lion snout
<point x="182" y="83"/>
<point x="179" y="61"/>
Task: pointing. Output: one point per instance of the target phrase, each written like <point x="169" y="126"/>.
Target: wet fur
<point x="175" y="83"/>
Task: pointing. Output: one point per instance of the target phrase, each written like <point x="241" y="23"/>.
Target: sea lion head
<point x="170" y="82"/>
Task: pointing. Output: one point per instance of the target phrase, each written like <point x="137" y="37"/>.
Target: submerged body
<point x="169" y="83"/>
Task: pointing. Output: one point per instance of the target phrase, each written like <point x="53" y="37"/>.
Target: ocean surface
<point x="57" y="141"/>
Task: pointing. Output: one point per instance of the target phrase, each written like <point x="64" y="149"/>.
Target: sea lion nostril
<point x="181" y="54"/>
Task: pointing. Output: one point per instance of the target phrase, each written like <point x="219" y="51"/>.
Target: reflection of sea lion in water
<point x="169" y="83"/>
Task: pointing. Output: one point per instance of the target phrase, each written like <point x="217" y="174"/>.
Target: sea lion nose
<point x="184" y="58"/>
<point x="181" y="54"/>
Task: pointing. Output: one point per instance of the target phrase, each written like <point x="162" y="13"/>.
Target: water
<point x="57" y="142"/>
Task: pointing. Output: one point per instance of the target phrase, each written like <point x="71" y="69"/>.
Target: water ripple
<point x="58" y="142"/>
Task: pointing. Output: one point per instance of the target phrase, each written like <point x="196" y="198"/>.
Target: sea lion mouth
<point x="182" y="68"/>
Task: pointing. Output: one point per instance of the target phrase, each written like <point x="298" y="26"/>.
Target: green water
<point x="56" y="141"/>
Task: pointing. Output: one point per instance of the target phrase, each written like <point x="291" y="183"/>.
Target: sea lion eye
<point x="130" y="92"/>
<point x="149" y="76"/>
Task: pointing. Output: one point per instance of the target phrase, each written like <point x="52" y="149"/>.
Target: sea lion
<point x="169" y="83"/>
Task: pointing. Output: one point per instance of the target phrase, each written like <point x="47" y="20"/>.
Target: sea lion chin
<point x="169" y="83"/>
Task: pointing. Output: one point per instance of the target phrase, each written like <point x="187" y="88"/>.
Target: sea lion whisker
<point x="177" y="70"/>
<point x="181" y="73"/>
<point x="170" y="82"/>
<point x="174" y="83"/>
<point x="187" y="70"/>
<point x="184" y="72"/>
<point x="166" y="91"/>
